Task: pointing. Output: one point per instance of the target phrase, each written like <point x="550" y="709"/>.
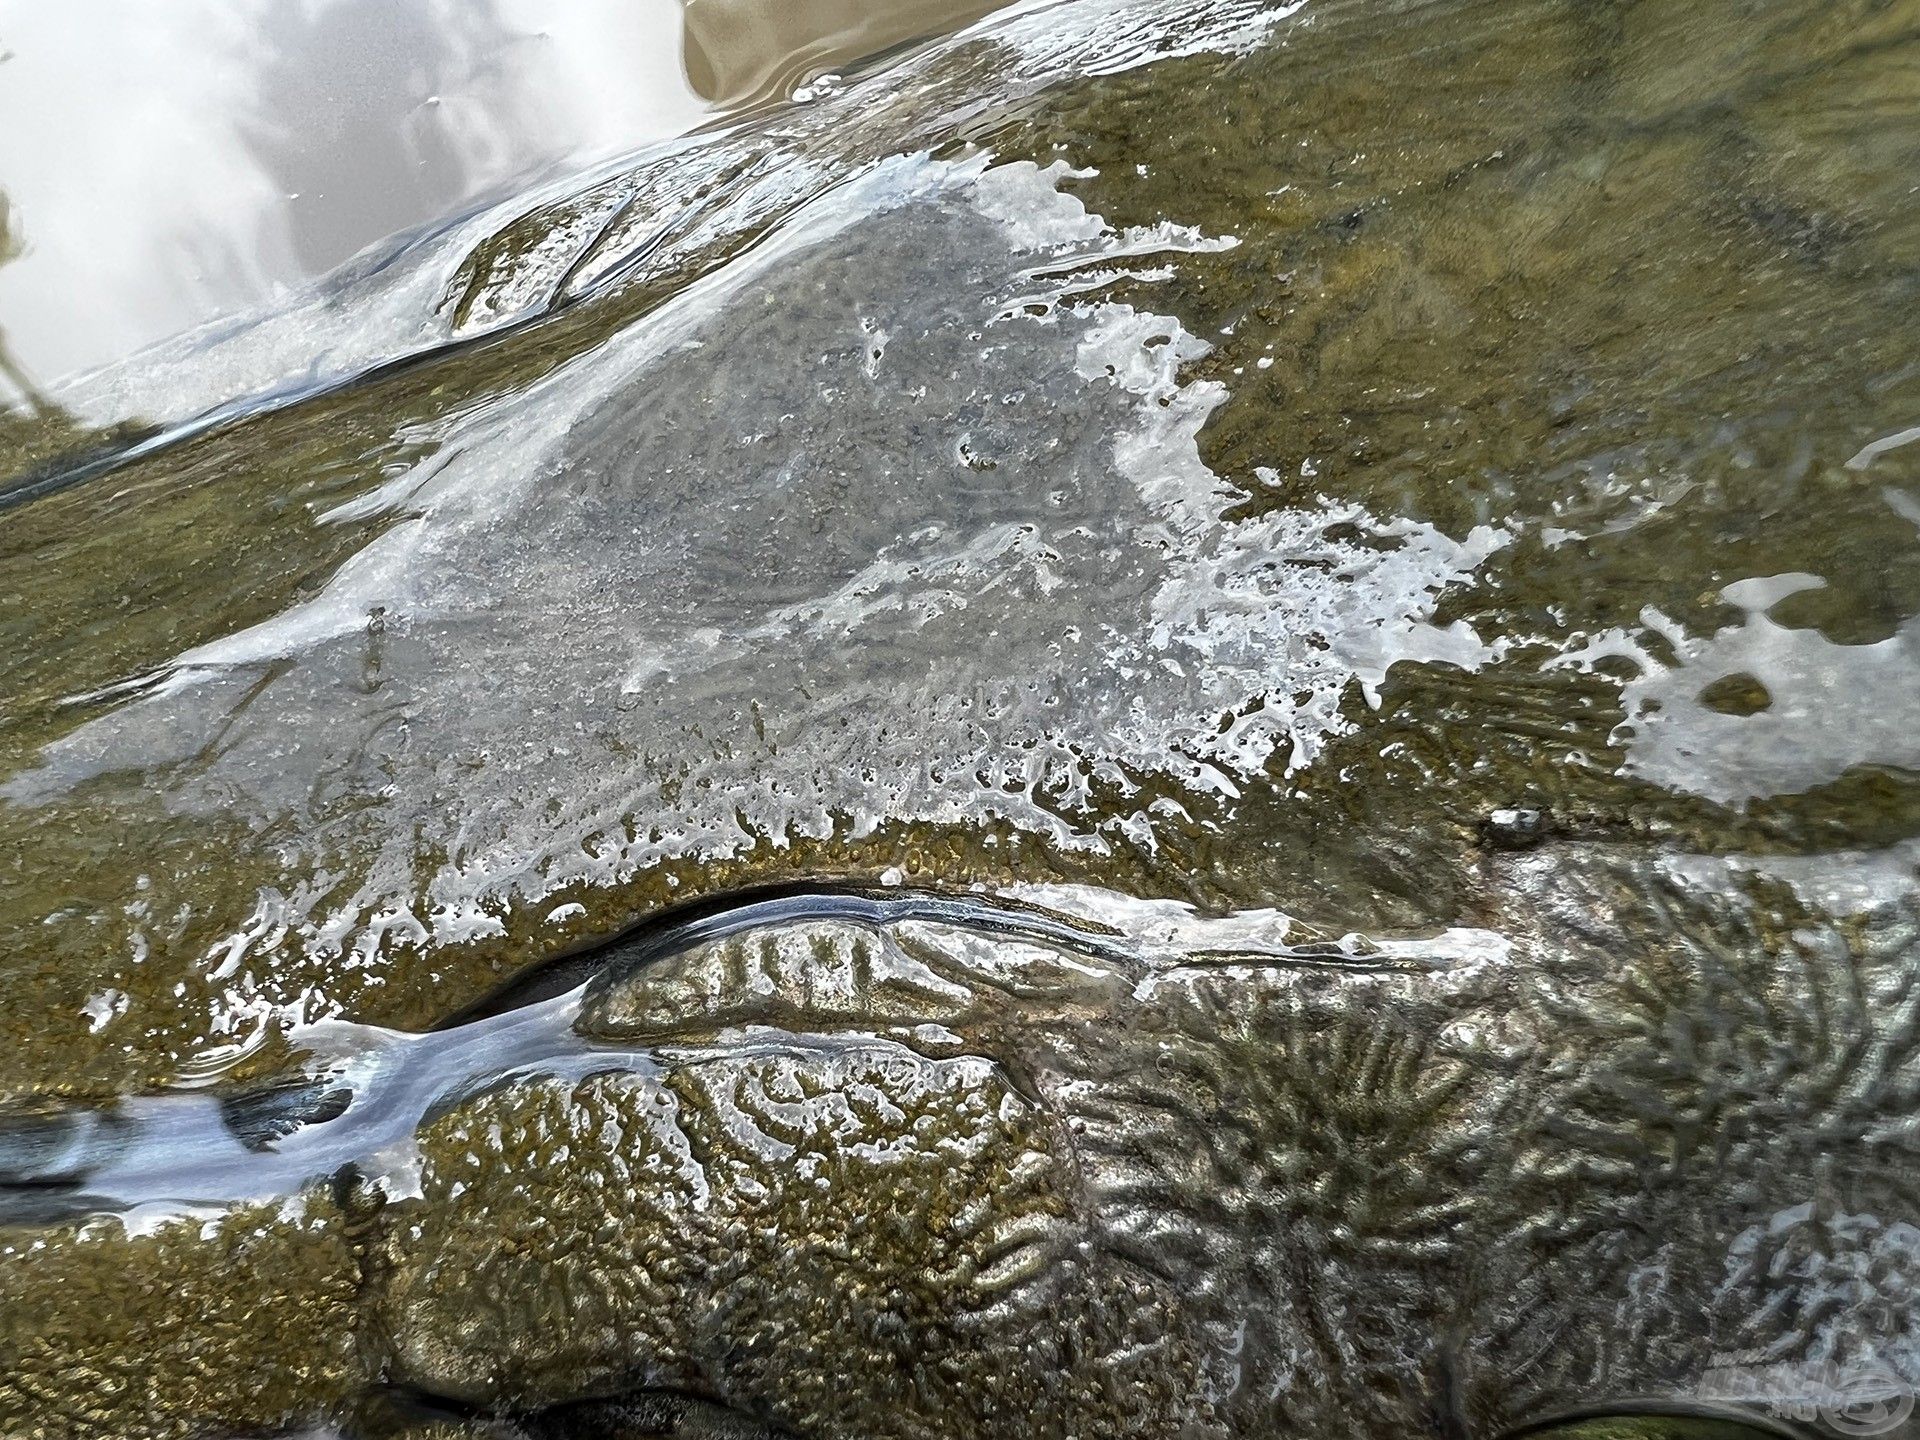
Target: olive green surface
<point x="1634" y="274"/>
<point x="920" y="1179"/>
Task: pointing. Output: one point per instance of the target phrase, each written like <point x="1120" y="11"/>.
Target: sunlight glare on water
<point x="1107" y="717"/>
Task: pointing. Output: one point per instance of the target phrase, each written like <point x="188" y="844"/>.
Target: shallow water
<point x="251" y="148"/>
<point x="374" y="1091"/>
<point x="1275" y="458"/>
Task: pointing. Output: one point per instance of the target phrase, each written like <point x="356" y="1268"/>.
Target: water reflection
<point x="252" y="146"/>
<point x="17" y="390"/>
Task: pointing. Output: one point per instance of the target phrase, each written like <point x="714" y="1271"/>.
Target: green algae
<point x="1615" y="276"/>
<point x="241" y="1321"/>
<point x="1631" y="280"/>
<point x="1625" y="282"/>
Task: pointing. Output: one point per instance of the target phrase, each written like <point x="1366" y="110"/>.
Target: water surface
<point x="1275" y="458"/>
<point x="1234" y="477"/>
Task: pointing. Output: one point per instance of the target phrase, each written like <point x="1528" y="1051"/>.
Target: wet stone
<point x="1516" y="829"/>
<point x="1740" y="694"/>
<point x="1377" y="544"/>
<point x="1096" y="1170"/>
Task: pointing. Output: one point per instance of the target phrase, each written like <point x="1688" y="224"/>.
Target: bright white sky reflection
<point x="166" y="165"/>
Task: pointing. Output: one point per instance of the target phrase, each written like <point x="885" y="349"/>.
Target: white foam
<point x="731" y="580"/>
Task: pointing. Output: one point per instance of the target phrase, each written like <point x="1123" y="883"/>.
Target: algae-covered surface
<point x="1390" y="470"/>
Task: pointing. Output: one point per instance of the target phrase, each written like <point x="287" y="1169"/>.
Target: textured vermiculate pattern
<point x="1267" y="1142"/>
<point x="1648" y="1136"/>
<point x="1667" y="1135"/>
<point x="204" y="1300"/>
<point x="1734" y="1121"/>
<point x="815" y="1234"/>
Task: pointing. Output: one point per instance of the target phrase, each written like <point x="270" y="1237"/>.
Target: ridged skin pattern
<point x="918" y="1180"/>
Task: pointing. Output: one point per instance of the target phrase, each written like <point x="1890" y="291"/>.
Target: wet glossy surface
<point x="192" y="164"/>
<point x="1420" y="469"/>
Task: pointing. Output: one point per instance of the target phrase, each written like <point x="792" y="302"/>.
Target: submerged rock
<point x="1444" y="469"/>
<point x="1307" y="431"/>
<point x="1111" y="1169"/>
